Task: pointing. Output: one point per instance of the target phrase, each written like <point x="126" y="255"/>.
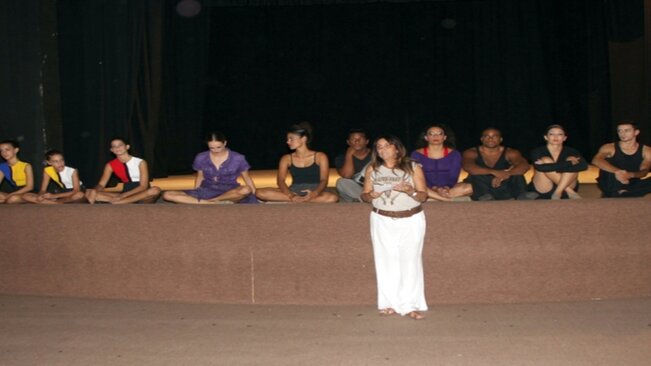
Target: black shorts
<point x="8" y="188"/>
<point x="130" y="186"/>
<point x="56" y="189"/>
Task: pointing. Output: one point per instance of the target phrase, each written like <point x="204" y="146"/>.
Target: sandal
<point x="386" y="312"/>
<point x="416" y="315"/>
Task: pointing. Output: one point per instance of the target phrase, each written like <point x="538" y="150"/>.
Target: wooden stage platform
<point x="475" y="252"/>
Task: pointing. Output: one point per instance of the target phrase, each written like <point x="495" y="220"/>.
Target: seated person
<point x="60" y="183"/>
<point x="556" y="167"/>
<point x="309" y="170"/>
<point x="16" y="177"/>
<point x="351" y="164"/>
<point x="216" y="181"/>
<point x="131" y="171"/>
<point x="496" y="172"/>
<point x="623" y="164"/>
<point x="441" y="164"/>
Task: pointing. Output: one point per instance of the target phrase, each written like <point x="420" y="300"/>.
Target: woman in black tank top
<point x="309" y="170"/>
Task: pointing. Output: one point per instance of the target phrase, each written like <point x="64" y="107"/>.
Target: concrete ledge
<point x="321" y="254"/>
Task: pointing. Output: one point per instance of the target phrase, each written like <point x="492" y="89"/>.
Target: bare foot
<point x="416" y="315"/>
<point x="91" y="196"/>
<point x="386" y="312"/>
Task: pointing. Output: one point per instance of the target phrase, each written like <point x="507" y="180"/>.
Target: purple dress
<point x="219" y="181"/>
<point x="443" y="172"/>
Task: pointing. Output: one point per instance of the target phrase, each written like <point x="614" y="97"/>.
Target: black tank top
<point x="501" y="163"/>
<point x="307" y="175"/>
<point x="630" y="163"/>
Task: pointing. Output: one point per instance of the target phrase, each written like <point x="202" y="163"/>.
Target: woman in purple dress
<point x="441" y="164"/>
<point x="217" y="173"/>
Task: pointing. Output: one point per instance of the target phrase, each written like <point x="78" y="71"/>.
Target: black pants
<point x="509" y="189"/>
<point x="611" y="187"/>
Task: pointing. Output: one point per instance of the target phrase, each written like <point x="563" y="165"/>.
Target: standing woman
<point x="216" y="181"/>
<point x="60" y="182"/>
<point x="556" y="167"/>
<point x="396" y="187"/>
<point x="441" y="164"/>
<point x="17" y="175"/>
<point x="131" y="171"/>
<point x="309" y="170"/>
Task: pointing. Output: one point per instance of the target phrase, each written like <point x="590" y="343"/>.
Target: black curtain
<point x="387" y="66"/>
<point x="111" y="79"/>
<point x="21" y="80"/>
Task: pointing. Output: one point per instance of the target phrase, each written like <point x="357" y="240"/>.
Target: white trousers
<point x="398" y="252"/>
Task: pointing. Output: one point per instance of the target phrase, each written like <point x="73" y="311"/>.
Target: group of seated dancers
<point x="495" y="172"/>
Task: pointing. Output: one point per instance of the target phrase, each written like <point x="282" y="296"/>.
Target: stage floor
<point x="66" y="331"/>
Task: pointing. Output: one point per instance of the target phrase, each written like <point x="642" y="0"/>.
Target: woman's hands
<point x="404" y="187"/>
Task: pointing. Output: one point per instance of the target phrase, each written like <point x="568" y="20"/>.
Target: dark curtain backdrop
<point x="389" y="67"/>
<point x="111" y="68"/>
<point x="385" y="67"/>
<point x="21" y="93"/>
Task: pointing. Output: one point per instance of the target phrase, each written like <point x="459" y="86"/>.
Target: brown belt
<point x="399" y="214"/>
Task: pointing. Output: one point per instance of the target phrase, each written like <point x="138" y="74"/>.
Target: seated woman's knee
<point x="14" y="199"/>
<point x="331" y="197"/>
<point x="168" y="194"/>
<point x="244" y="190"/>
<point x="153" y="191"/>
<point x="262" y="194"/>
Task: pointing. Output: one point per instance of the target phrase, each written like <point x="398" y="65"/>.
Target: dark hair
<point x="15" y="144"/>
<point x="215" y="136"/>
<point x="450" y="141"/>
<point x="303" y="129"/>
<point x="628" y="122"/>
<point x="119" y="138"/>
<point x="357" y="130"/>
<point x="550" y="127"/>
<point x="491" y="128"/>
<point x="51" y="153"/>
<point x="404" y="162"/>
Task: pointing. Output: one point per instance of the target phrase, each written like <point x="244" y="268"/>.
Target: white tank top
<point x="134" y="168"/>
<point x="66" y="177"/>
<point x="62" y="178"/>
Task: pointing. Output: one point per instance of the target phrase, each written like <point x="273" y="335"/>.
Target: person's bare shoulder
<point x="607" y="150"/>
<point x="285" y="160"/>
<point x="321" y="156"/>
<point x="470" y="153"/>
<point x="646" y="152"/>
